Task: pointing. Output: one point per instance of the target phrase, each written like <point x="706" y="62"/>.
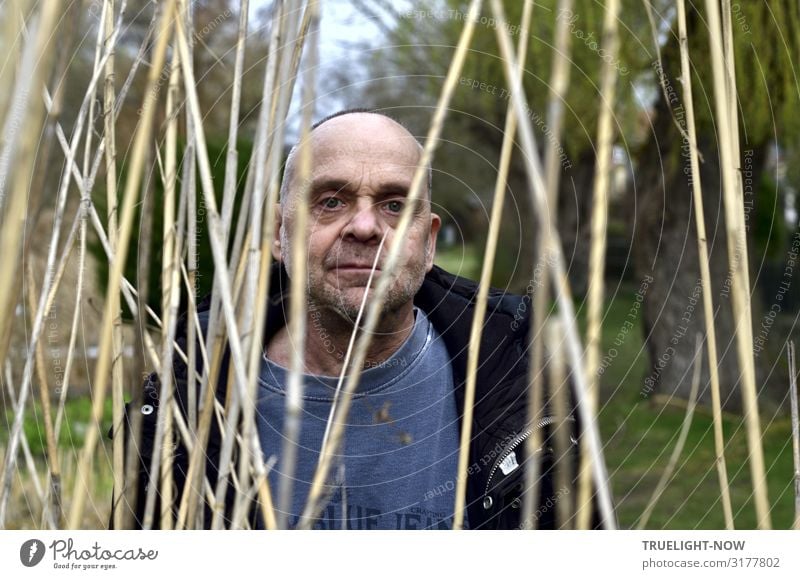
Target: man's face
<point x="362" y="168"/>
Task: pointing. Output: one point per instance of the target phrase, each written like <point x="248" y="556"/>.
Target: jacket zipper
<point x="519" y="439"/>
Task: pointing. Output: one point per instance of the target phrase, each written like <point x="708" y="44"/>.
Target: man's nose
<point x="365" y="225"/>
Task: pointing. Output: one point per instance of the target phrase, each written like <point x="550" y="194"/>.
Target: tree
<point x="665" y="238"/>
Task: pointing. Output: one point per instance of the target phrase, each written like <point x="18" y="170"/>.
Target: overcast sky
<point x="343" y="30"/>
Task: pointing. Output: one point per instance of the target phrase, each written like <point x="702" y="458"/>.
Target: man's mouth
<point x="357" y="267"/>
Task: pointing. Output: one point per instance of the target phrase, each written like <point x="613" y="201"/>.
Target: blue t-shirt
<point x="400" y="451"/>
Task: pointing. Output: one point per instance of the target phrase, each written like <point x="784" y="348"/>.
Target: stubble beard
<point x="346" y="303"/>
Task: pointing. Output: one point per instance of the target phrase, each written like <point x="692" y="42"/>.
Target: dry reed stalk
<point x="30" y="464"/>
<point x="681" y="442"/>
<point x="552" y="245"/>
<point x="725" y="106"/>
<point x="141" y="140"/>
<point x="559" y="81"/>
<point x="189" y="194"/>
<point x="96" y="66"/>
<point x="9" y="46"/>
<point x="298" y="315"/>
<point x="13" y="224"/>
<point x="18" y="99"/>
<point x="117" y="370"/>
<point x="52" y="507"/>
<point x="271" y="123"/>
<point x="654" y="29"/>
<point x="490" y="252"/>
<point x="558" y="85"/>
<point x="229" y="190"/>
<point x="337" y="431"/>
<point x="557" y="376"/>
<point x="705" y="273"/>
<point x="249" y="275"/>
<point x="170" y="287"/>
<point x="795" y="431"/>
<point x="597" y="252"/>
<point x="232" y="155"/>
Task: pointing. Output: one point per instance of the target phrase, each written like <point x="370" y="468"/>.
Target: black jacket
<point x="500" y="426"/>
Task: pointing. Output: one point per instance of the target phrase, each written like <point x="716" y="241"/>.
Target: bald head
<point x="352" y="134"/>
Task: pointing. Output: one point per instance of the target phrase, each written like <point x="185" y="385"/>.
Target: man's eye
<point x="331" y="203"/>
<point x="394" y="206"/>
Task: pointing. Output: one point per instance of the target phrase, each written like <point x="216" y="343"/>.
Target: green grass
<point x="76" y="421"/>
<point x="639" y="436"/>
<point x="463" y="261"/>
<point x="25" y="508"/>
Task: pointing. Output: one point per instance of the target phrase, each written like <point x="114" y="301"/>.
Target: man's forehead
<point x="365" y="137"/>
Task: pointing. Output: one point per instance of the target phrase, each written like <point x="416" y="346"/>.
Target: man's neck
<point x="328" y="336"/>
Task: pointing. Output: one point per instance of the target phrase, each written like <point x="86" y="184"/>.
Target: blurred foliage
<point x="205" y="271"/>
<point x="769" y="226"/>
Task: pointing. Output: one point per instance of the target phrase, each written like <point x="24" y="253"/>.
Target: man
<point x="398" y="464"/>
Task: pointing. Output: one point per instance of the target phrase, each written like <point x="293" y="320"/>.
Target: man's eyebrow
<point x="393" y="190"/>
<point x="328" y="184"/>
<point x="390" y="189"/>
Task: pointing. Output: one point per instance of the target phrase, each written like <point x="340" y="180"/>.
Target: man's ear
<point x="436" y="224"/>
<point x="276" y="242"/>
